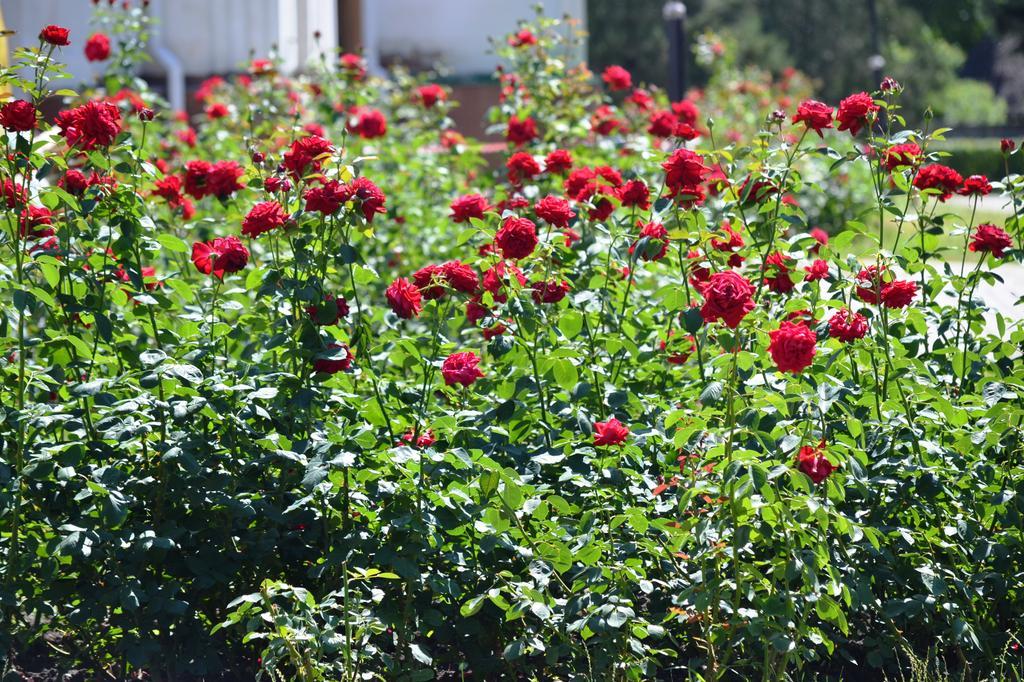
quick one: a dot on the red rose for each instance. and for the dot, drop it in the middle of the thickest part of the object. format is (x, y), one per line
(219, 256)
(820, 236)
(18, 116)
(223, 179)
(368, 123)
(306, 155)
(498, 276)
(460, 276)
(812, 462)
(686, 111)
(513, 203)
(558, 162)
(371, 200)
(521, 131)
(187, 136)
(975, 185)
(168, 188)
(684, 171)
(898, 293)
(617, 78)
(699, 273)
(333, 310)
(424, 440)
(337, 358)
(779, 280)
(461, 368)
(96, 179)
(197, 174)
(517, 238)
(937, 176)
(73, 182)
(579, 185)
(521, 166)
(554, 210)
(899, 155)
(662, 124)
(990, 239)
(1006, 145)
(33, 218)
(792, 347)
(353, 65)
(55, 35)
(277, 184)
(734, 242)
(430, 94)
(404, 298)
(890, 84)
(94, 124)
(635, 194)
(603, 208)
(260, 67)
(97, 47)
(522, 38)
(216, 110)
(869, 283)
(432, 279)
(657, 244)
(686, 131)
(549, 292)
(327, 198)
(847, 326)
(816, 270)
(642, 99)
(263, 217)
(854, 111)
(207, 88)
(814, 114)
(611, 432)
(604, 121)
(429, 281)
(475, 311)
(469, 206)
(13, 194)
(728, 296)
(219, 179)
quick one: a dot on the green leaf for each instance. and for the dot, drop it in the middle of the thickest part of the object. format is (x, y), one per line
(173, 244)
(571, 323)
(566, 374)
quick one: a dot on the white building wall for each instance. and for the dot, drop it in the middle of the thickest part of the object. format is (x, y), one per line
(27, 17)
(457, 31)
(207, 36)
(217, 36)
(220, 36)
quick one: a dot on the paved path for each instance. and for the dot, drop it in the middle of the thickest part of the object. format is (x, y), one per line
(1003, 297)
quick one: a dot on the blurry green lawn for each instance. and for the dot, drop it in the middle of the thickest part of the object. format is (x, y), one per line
(955, 214)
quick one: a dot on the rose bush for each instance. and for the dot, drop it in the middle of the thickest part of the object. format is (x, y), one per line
(302, 387)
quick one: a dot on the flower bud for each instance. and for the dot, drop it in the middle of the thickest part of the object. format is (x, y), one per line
(890, 84)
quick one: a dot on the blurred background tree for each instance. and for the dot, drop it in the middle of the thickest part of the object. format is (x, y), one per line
(953, 55)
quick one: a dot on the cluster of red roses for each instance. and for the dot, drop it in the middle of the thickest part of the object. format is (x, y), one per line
(728, 296)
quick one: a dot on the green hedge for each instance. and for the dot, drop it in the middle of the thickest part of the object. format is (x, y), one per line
(979, 155)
